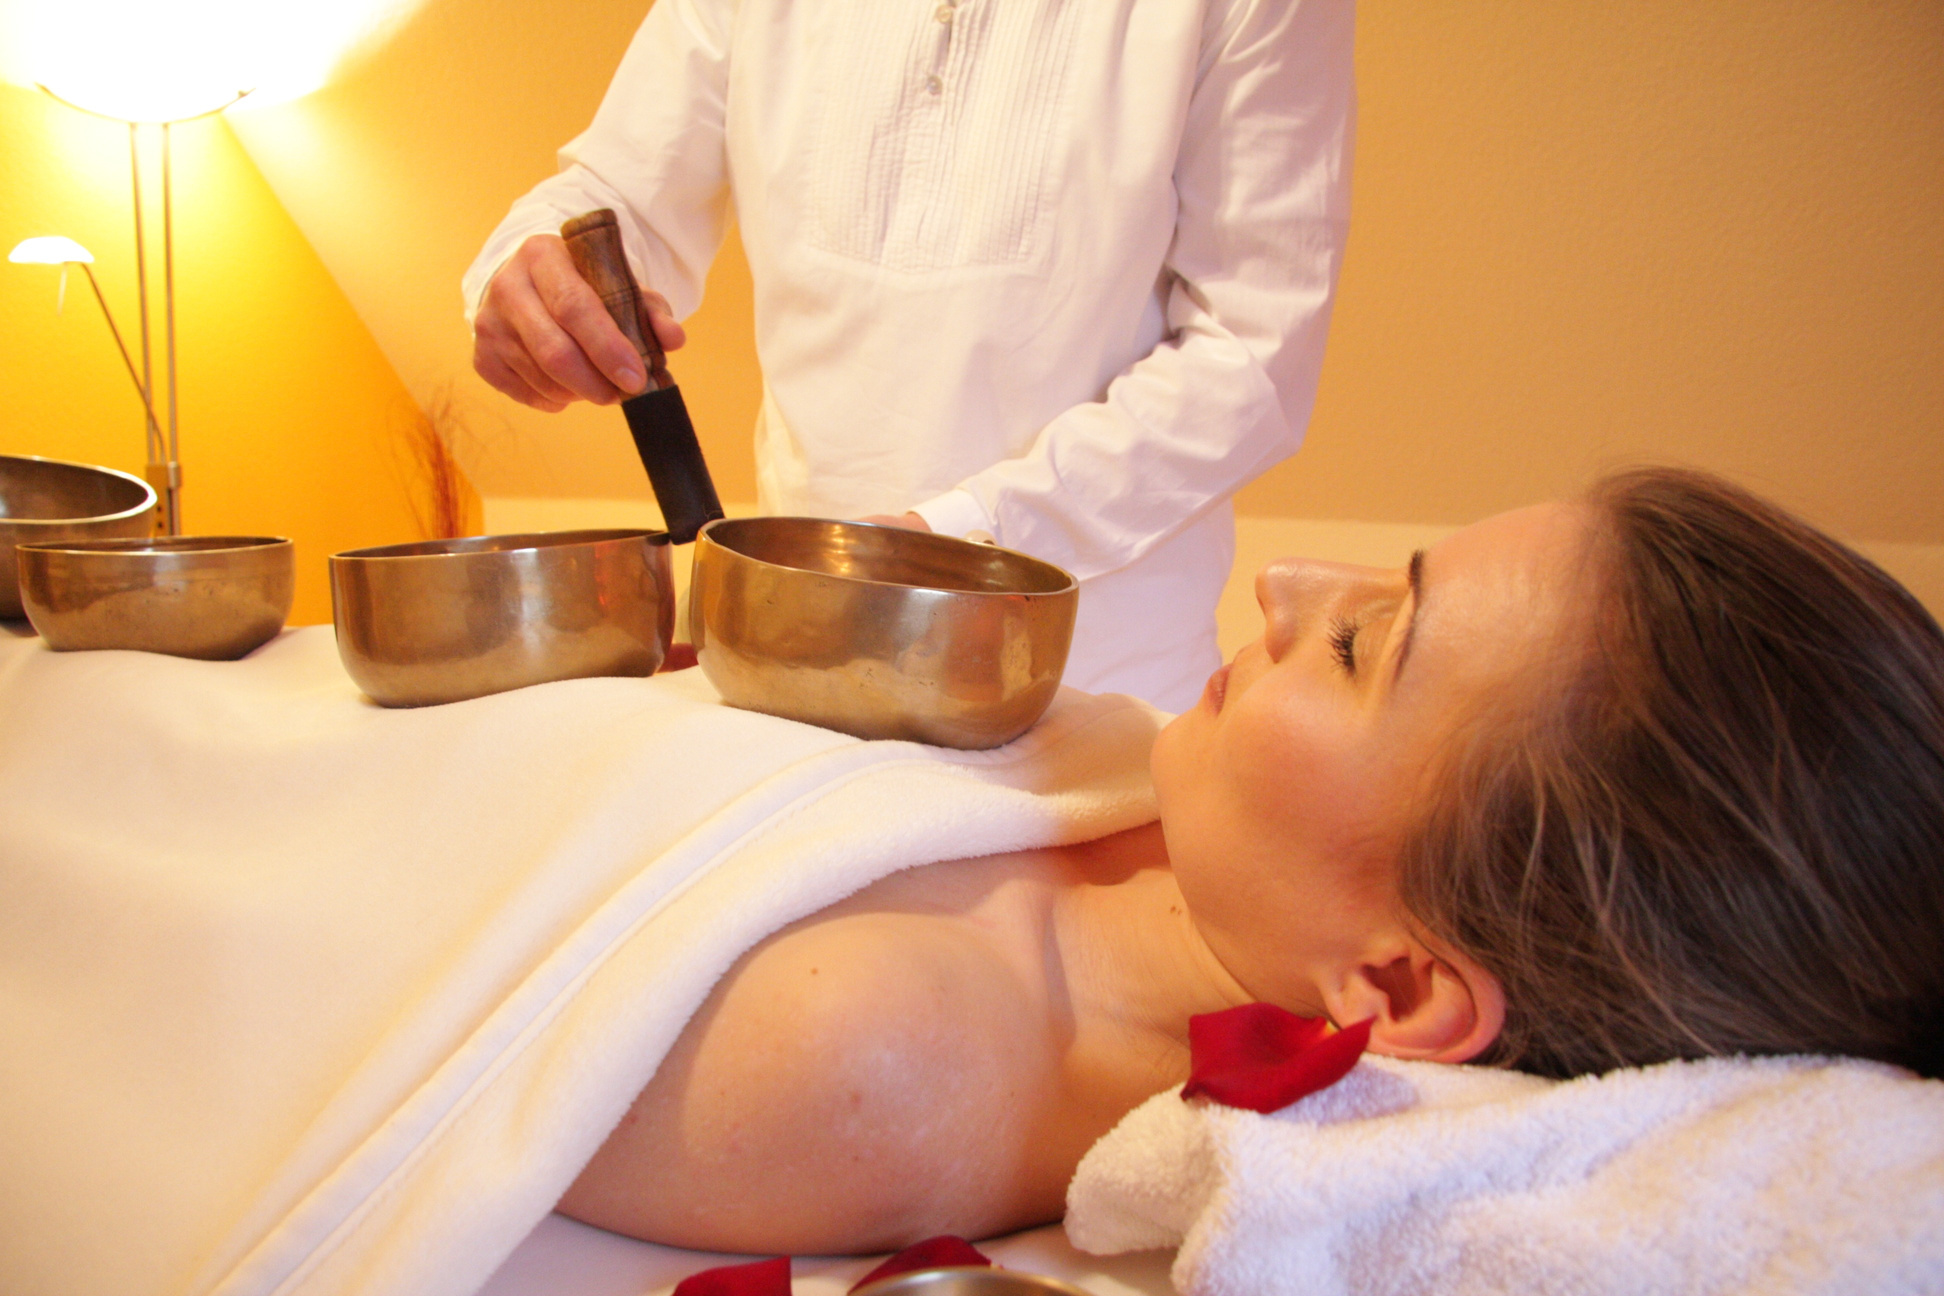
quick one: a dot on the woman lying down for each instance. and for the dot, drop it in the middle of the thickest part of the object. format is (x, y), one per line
(1653, 773)
(301, 995)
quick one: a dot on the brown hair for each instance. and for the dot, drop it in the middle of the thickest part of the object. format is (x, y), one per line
(1727, 835)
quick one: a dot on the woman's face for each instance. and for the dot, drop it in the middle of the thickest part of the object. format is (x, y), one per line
(1286, 792)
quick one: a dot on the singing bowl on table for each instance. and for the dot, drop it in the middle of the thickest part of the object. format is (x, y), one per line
(209, 597)
(446, 620)
(47, 500)
(878, 631)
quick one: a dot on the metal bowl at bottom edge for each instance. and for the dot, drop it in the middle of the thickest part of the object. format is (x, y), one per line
(968, 1282)
(44, 501)
(210, 597)
(448, 620)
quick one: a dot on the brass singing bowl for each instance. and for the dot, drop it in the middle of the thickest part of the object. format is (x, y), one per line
(961, 1281)
(445, 620)
(47, 500)
(878, 631)
(210, 597)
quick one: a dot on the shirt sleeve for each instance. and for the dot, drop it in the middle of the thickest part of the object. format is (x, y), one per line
(655, 153)
(1262, 180)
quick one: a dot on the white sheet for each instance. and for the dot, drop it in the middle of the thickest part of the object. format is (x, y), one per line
(301, 995)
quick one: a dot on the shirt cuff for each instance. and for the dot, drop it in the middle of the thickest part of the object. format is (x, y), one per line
(956, 514)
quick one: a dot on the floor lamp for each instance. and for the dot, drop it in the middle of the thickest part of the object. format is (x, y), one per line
(164, 470)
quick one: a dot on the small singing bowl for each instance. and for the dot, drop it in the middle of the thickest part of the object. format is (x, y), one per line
(210, 597)
(957, 1281)
(45, 501)
(446, 620)
(877, 631)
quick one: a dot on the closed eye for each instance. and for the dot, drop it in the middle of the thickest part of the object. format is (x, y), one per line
(1343, 643)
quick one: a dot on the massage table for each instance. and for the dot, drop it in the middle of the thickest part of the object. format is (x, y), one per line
(303, 997)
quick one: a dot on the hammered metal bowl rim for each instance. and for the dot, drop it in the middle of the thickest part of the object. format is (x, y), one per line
(540, 540)
(148, 501)
(896, 1284)
(161, 546)
(1072, 582)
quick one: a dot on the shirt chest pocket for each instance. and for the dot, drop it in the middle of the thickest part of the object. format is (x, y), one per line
(937, 125)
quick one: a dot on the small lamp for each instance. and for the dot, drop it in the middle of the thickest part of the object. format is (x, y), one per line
(64, 252)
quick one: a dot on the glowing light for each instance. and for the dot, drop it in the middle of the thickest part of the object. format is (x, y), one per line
(49, 249)
(164, 60)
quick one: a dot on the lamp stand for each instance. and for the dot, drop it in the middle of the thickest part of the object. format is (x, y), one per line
(164, 470)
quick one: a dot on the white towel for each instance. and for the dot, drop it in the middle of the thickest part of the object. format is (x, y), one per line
(1771, 1176)
(301, 995)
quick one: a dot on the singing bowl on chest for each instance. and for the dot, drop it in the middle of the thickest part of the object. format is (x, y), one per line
(447, 620)
(48, 501)
(878, 631)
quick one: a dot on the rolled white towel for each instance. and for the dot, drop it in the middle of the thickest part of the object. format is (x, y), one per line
(1776, 1175)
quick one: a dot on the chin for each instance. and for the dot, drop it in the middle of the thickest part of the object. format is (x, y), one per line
(1162, 758)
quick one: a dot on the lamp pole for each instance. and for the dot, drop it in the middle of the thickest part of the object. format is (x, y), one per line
(168, 485)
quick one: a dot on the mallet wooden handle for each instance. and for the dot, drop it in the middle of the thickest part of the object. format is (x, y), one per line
(594, 242)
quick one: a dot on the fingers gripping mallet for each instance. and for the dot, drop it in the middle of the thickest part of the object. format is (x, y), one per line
(663, 434)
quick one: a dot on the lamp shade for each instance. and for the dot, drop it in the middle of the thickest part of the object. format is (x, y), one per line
(49, 249)
(167, 60)
(143, 60)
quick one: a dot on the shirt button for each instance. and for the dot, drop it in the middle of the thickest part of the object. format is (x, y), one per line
(943, 13)
(934, 84)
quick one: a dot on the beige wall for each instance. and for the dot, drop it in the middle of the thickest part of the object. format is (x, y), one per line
(1710, 233)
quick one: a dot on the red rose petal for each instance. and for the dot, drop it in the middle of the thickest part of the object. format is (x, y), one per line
(1262, 1058)
(762, 1278)
(942, 1252)
(680, 656)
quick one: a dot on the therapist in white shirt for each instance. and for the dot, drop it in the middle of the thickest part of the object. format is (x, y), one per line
(1054, 270)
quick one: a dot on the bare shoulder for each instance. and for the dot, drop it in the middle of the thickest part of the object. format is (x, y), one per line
(871, 1075)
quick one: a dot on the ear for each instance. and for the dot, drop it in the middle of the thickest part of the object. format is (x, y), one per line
(1434, 1006)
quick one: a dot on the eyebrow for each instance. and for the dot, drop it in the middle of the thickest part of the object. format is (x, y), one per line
(1414, 572)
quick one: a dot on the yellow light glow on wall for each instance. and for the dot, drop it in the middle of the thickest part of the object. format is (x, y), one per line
(165, 60)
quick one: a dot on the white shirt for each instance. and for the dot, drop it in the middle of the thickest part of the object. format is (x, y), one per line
(1058, 270)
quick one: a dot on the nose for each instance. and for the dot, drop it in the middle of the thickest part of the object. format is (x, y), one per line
(1294, 592)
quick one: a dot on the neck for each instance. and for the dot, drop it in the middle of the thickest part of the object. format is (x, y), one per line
(1128, 946)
